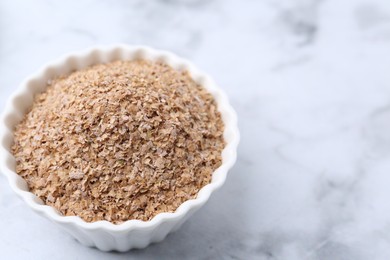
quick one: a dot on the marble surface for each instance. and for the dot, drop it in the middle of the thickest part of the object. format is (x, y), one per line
(310, 81)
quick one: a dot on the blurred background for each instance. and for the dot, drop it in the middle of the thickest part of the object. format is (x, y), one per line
(310, 82)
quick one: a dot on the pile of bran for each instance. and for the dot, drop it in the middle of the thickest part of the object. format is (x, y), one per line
(119, 141)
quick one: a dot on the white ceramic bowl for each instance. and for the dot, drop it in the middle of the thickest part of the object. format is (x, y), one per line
(103, 234)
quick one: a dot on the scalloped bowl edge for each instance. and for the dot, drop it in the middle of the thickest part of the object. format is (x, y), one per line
(104, 235)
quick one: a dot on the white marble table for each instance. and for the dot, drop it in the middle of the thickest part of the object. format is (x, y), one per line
(310, 81)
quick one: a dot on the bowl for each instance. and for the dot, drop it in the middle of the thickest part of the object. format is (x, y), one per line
(105, 235)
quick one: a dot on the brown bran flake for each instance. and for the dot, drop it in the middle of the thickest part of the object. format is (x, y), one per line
(119, 141)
